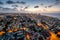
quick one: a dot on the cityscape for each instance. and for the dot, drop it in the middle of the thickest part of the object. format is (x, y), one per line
(25, 26)
(29, 19)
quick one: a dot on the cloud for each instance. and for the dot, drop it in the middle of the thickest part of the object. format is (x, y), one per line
(22, 2)
(41, 4)
(57, 2)
(36, 6)
(46, 7)
(0, 7)
(44, 10)
(17, 2)
(1, 2)
(6, 8)
(10, 2)
(26, 7)
(50, 6)
(14, 5)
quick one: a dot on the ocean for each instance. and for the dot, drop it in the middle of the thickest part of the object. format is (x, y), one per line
(56, 15)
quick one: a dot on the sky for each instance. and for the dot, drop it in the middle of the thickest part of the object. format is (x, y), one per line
(30, 6)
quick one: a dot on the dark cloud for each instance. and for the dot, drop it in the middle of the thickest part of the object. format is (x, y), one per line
(23, 2)
(46, 7)
(41, 4)
(57, 2)
(50, 6)
(17, 2)
(14, 5)
(1, 7)
(1, 2)
(26, 7)
(36, 6)
(14, 8)
(10, 2)
(6, 8)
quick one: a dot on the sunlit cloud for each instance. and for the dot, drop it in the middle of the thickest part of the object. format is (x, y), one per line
(39, 10)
